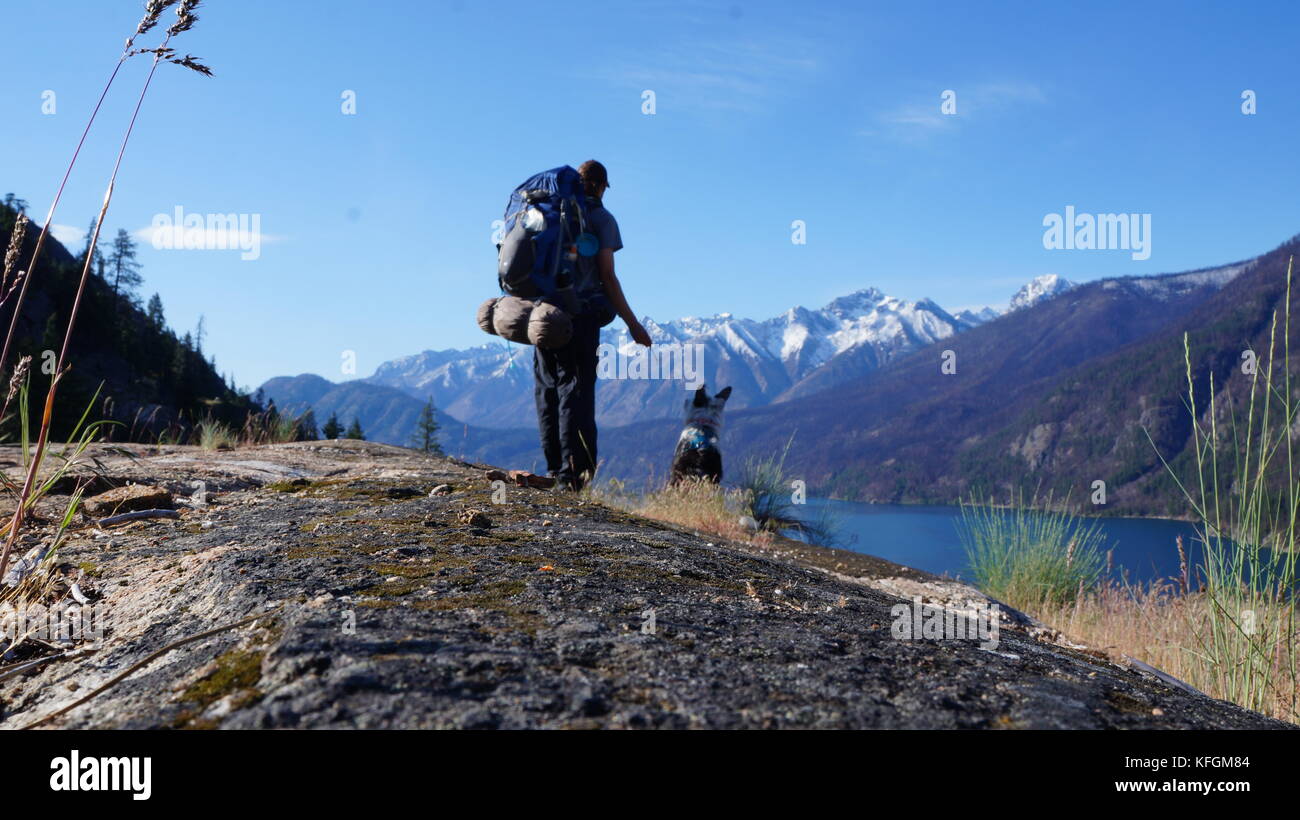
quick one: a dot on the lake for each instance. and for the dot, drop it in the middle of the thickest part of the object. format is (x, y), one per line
(927, 538)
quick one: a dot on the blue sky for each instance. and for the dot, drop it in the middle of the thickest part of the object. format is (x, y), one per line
(377, 225)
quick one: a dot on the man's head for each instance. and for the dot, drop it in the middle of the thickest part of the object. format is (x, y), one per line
(595, 179)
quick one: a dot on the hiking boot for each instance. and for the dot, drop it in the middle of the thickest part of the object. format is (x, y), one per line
(566, 483)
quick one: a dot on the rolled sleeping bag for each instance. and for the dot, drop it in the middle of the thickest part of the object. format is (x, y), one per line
(525, 322)
(548, 326)
(510, 318)
(485, 311)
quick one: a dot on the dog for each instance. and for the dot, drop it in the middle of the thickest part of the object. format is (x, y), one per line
(697, 456)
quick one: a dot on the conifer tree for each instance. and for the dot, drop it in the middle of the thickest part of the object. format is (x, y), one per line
(426, 430)
(122, 264)
(332, 427)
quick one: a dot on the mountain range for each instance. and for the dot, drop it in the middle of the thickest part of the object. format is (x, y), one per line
(765, 361)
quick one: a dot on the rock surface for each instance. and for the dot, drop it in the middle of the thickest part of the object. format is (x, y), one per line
(127, 499)
(397, 609)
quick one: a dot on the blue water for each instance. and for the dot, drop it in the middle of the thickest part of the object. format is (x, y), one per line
(927, 538)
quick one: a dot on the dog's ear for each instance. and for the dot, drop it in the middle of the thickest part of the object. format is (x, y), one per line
(723, 394)
(701, 397)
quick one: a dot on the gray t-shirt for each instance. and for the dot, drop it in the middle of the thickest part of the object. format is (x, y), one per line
(602, 224)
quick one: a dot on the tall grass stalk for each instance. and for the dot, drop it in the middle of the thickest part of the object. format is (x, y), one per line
(185, 19)
(1246, 504)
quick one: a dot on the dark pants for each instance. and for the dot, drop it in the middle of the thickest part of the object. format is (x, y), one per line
(564, 386)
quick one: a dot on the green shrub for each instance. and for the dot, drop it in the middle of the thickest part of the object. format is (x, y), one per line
(1029, 557)
(213, 435)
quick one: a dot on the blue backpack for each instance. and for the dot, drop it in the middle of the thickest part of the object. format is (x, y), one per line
(545, 231)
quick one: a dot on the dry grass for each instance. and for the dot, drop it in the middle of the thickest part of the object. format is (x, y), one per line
(213, 435)
(1161, 627)
(270, 427)
(699, 505)
(267, 427)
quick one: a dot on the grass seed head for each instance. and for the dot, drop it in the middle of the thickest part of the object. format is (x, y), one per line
(153, 9)
(19, 375)
(185, 17)
(15, 247)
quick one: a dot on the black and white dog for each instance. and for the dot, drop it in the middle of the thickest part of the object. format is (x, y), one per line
(697, 455)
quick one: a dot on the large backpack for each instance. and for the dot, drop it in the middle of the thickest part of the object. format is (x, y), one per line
(545, 230)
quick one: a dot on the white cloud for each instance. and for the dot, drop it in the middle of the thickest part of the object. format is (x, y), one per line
(915, 121)
(718, 75)
(738, 66)
(925, 118)
(69, 236)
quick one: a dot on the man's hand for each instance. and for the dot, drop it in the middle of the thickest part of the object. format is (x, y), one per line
(639, 334)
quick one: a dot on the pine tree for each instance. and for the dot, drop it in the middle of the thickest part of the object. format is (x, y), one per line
(426, 430)
(155, 311)
(121, 261)
(332, 428)
(354, 430)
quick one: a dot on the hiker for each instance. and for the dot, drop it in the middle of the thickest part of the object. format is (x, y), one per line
(565, 377)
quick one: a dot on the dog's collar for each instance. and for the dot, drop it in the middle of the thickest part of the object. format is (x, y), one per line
(697, 437)
(703, 422)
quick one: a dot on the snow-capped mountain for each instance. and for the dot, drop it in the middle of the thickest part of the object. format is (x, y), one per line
(974, 316)
(491, 385)
(802, 340)
(1038, 289)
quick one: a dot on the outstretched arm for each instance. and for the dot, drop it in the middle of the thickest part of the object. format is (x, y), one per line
(614, 290)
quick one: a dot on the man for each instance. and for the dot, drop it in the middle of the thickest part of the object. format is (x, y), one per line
(565, 377)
